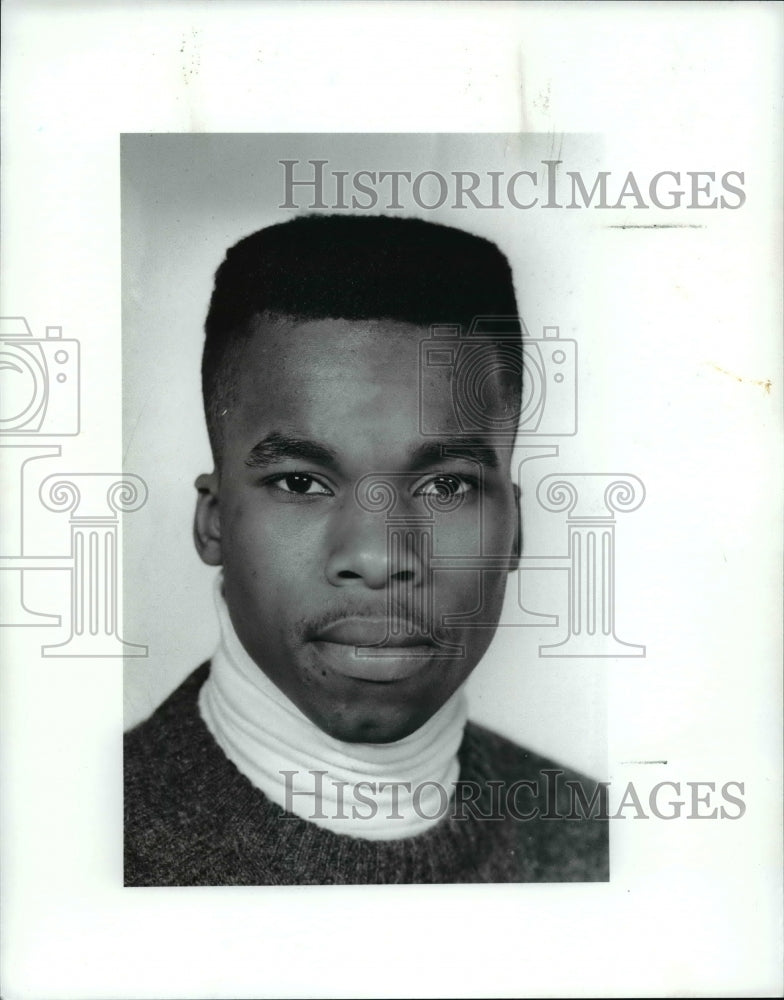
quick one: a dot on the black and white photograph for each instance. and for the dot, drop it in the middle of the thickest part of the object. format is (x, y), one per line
(396, 398)
(390, 454)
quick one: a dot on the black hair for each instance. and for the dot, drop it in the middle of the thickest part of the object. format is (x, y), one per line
(351, 267)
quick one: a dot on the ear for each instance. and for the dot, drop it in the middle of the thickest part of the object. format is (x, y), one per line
(206, 523)
(517, 544)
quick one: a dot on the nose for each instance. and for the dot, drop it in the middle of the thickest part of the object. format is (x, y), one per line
(367, 550)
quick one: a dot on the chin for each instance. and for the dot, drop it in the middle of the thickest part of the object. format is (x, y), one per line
(373, 729)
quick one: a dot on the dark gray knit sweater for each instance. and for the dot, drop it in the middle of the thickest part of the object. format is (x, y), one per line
(191, 818)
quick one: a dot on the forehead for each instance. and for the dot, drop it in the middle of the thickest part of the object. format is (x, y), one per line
(359, 386)
(322, 371)
(293, 353)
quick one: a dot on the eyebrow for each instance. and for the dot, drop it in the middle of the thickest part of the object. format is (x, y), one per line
(473, 449)
(277, 447)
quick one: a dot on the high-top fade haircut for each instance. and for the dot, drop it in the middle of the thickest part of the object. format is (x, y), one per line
(353, 267)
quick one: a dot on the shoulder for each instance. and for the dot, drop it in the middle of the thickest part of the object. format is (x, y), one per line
(560, 814)
(171, 739)
(176, 782)
(509, 761)
(174, 714)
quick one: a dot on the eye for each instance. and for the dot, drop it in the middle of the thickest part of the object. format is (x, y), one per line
(444, 487)
(301, 484)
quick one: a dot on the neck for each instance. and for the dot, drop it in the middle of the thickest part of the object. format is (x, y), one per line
(380, 791)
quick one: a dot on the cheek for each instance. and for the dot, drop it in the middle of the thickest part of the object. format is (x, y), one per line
(249, 546)
(474, 589)
(271, 553)
(486, 527)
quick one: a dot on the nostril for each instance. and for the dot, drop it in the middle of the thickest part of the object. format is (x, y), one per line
(404, 575)
(347, 574)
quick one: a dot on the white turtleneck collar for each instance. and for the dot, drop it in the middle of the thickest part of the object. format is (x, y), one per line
(314, 776)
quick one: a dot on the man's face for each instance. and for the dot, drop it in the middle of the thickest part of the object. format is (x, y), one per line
(332, 515)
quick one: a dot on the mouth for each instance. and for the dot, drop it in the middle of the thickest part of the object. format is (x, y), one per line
(381, 650)
(396, 633)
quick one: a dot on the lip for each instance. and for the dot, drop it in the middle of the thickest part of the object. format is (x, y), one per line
(385, 667)
(398, 654)
(387, 633)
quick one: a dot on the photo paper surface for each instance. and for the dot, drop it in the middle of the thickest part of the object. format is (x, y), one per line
(632, 182)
